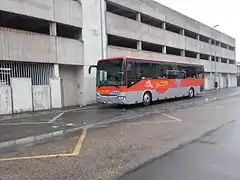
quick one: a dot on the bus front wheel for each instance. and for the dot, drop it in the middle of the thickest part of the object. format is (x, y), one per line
(191, 93)
(147, 98)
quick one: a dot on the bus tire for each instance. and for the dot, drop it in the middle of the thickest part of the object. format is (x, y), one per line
(147, 98)
(191, 93)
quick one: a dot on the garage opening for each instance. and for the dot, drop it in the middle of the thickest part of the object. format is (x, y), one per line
(190, 54)
(204, 56)
(121, 11)
(173, 51)
(25, 23)
(122, 42)
(151, 47)
(151, 21)
(204, 39)
(69, 31)
(190, 34)
(173, 28)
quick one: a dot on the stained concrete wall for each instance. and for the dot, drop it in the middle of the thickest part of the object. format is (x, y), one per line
(21, 94)
(41, 97)
(34, 47)
(69, 85)
(5, 100)
(56, 93)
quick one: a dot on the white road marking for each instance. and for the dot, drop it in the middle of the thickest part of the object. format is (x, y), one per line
(172, 117)
(56, 117)
(214, 105)
(23, 123)
(151, 122)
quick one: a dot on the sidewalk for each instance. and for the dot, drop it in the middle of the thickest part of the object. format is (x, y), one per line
(38, 126)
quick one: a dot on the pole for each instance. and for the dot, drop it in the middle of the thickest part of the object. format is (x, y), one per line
(215, 58)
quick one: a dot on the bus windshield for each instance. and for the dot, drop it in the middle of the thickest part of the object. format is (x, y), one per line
(111, 73)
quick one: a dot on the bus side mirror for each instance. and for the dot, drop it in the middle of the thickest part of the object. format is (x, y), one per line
(90, 68)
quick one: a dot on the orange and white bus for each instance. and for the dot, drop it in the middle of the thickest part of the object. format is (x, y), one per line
(129, 80)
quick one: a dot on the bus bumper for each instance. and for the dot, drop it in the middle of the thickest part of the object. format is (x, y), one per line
(111, 99)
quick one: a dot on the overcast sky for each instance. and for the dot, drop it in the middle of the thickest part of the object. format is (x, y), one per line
(211, 12)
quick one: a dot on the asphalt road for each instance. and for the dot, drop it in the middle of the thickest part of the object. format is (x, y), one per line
(213, 157)
(122, 140)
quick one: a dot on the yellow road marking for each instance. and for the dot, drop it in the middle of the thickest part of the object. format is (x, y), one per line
(80, 142)
(76, 151)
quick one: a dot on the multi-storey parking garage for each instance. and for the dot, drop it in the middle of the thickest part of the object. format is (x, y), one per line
(46, 47)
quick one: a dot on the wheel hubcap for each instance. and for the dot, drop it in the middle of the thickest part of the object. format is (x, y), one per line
(146, 99)
(191, 93)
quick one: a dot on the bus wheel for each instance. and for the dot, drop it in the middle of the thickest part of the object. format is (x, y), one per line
(147, 98)
(191, 93)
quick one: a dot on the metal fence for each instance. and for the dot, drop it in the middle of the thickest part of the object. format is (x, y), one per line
(39, 73)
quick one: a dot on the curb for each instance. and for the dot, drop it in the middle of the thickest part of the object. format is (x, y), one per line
(36, 139)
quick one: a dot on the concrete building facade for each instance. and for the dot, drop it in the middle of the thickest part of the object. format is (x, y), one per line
(46, 47)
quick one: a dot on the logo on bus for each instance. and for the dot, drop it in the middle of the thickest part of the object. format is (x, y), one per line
(161, 84)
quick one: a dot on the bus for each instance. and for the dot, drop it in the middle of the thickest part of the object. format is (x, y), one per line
(129, 80)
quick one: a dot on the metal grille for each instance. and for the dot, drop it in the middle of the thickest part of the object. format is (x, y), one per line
(39, 73)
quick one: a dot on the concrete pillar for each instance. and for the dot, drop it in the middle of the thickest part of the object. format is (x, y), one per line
(164, 49)
(228, 47)
(138, 18)
(210, 41)
(209, 58)
(228, 61)
(198, 37)
(139, 45)
(56, 71)
(164, 25)
(182, 32)
(219, 59)
(182, 52)
(53, 28)
(198, 56)
(95, 47)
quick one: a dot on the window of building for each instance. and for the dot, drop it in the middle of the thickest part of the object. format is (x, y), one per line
(232, 48)
(122, 42)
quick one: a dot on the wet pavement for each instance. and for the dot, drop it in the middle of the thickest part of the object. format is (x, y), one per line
(32, 124)
(213, 157)
(122, 139)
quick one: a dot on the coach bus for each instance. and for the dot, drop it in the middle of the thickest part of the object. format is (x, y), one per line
(129, 80)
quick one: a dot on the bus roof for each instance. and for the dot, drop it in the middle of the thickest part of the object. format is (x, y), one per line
(150, 59)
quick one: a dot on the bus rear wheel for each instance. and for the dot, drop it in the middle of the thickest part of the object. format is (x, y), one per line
(147, 98)
(191, 93)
